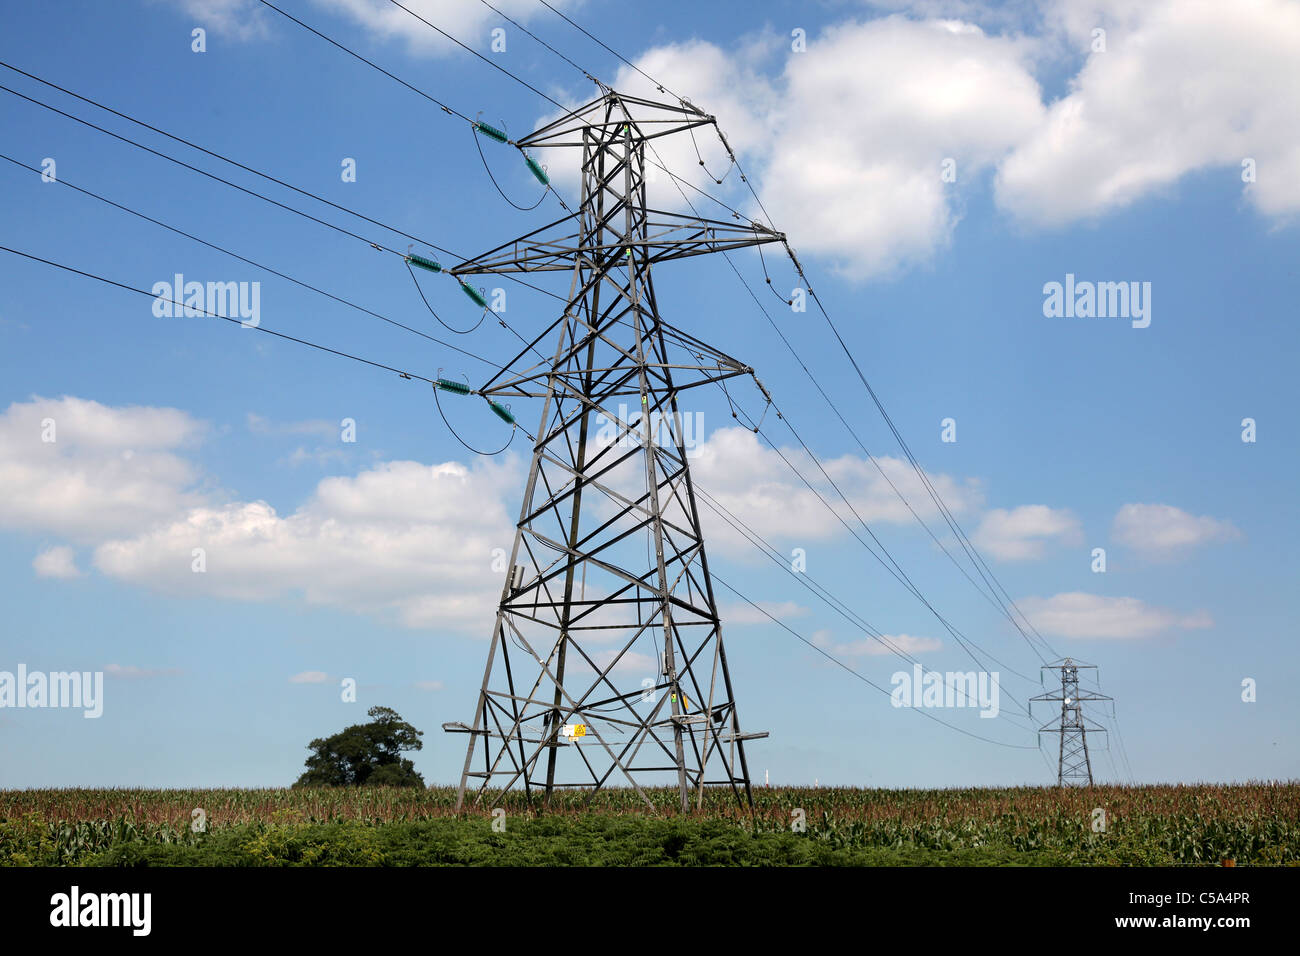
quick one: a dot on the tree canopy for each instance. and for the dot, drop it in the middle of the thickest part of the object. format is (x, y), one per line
(365, 755)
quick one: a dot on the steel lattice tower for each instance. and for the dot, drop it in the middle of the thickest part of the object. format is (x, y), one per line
(1074, 766)
(607, 663)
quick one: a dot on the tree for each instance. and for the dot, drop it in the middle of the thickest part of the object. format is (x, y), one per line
(366, 755)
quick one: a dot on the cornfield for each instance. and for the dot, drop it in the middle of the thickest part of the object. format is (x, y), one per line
(1185, 824)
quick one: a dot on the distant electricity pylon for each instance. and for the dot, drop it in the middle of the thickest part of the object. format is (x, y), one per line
(607, 660)
(1074, 766)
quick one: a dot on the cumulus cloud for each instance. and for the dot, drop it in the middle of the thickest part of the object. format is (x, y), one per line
(420, 545)
(846, 140)
(82, 470)
(1023, 533)
(405, 539)
(868, 117)
(57, 562)
(1163, 531)
(1183, 85)
(863, 119)
(1080, 615)
(849, 139)
(753, 482)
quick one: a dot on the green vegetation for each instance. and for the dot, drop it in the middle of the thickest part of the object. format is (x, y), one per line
(1250, 824)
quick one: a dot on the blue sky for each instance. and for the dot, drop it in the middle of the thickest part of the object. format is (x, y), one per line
(371, 559)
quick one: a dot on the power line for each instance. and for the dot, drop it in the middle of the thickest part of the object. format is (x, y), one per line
(475, 124)
(992, 599)
(981, 566)
(925, 481)
(896, 570)
(836, 604)
(256, 264)
(275, 202)
(246, 168)
(488, 169)
(620, 56)
(202, 172)
(456, 435)
(526, 85)
(443, 106)
(416, 283)
(491, 63)
(893, 566)
(866, 680)
(677, 182)
(520, 26)
(916, 466)
(218, 315)
(977, 561)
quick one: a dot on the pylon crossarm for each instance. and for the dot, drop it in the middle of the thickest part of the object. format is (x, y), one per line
(679, 239)
(609, 113)
(519, 387)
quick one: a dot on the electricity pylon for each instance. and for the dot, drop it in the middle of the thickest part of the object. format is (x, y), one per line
(1074, 766)
(607, 662)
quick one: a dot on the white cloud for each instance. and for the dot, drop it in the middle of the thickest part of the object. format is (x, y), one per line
(429, 685)
(1023, 533)
(132, 672)
(1163, 531)
(752, 482)
(868, 115)
(108, 470)
(402, 539)
(309, 677)
(240, 19)
(848, 140)
(58, 562)
(1182, 86)
(405, 541)
(1080, 615)
(876, 647)
(469, 22)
